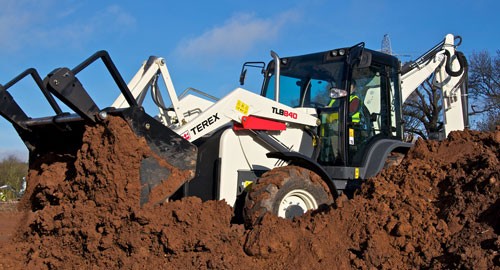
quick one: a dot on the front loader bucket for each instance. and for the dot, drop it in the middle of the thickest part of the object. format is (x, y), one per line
(168, 162)
(167, 146)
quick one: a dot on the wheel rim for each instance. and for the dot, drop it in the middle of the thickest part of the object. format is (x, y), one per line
(296, 203)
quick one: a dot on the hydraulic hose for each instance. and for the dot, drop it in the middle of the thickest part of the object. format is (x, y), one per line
(463, 83)
(461, 60)
(465, 91)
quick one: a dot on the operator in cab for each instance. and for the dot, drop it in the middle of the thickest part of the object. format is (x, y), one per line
(329, 128)
(354, 105)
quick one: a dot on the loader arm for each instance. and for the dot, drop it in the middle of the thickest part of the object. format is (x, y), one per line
(147, 77)
(238, 105)
(233, 108)
(450, 69)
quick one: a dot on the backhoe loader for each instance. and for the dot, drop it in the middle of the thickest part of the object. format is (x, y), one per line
(292, 148)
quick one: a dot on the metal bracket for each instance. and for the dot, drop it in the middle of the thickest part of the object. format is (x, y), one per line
(65, 86)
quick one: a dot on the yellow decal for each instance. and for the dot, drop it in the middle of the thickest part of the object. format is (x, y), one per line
(351, 136)
(242, 107)
(247, 184)
(356, 173)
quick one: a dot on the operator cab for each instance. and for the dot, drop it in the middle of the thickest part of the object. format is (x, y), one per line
(325, 81)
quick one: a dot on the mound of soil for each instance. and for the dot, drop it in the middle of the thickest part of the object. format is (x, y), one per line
(439, 209)
(9, 218)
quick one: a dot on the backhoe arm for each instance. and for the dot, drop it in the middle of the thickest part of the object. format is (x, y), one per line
(449, 68)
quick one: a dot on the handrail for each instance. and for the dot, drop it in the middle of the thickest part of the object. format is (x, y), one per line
(183, 94)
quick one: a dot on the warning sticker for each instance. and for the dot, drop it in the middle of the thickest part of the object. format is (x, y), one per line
(351, 136)
(242, 107)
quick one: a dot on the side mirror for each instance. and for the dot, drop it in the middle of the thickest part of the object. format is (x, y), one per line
(242, 76)
(243, 73)
(337, 93)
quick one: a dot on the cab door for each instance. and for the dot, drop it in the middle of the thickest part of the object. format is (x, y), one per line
(372, 121)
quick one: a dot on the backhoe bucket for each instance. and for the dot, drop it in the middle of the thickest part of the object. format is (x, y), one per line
(168, 160)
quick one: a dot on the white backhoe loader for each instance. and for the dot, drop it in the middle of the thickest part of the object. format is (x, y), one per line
(322, 123)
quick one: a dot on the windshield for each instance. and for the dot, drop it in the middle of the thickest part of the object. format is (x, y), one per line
(306, 81)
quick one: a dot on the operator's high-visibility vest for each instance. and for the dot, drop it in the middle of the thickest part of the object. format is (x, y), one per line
(355, 118)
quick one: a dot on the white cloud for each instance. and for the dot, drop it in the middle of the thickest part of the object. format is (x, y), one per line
(24, 24)
(18, 153)
(235, 37)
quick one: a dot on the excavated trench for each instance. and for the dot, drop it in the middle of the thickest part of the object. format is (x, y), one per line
(439, 209)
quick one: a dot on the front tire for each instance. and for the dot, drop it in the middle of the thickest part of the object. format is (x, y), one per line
(287, 192)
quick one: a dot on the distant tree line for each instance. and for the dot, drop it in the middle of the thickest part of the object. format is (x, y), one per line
(423, 110)
(12, 172)
(484, 89)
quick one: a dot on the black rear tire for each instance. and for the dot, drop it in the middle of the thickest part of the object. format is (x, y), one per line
(287, 192)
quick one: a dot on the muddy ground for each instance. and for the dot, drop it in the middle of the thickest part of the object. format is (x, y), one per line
(439, 209)
(9, 218)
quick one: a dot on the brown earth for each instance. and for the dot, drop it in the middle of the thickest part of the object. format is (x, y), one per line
(9, 218)
(439, 209)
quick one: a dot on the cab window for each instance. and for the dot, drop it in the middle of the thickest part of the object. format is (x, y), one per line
(374, 115)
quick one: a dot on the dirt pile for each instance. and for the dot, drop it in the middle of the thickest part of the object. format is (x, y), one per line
(9, 217)
(439, 209)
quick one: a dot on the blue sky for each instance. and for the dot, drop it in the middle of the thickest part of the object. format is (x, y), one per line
(206, 42)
